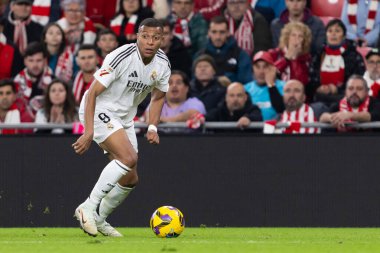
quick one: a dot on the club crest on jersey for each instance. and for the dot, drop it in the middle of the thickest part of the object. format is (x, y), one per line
(109, 126)
(153, 76)
(104, 72)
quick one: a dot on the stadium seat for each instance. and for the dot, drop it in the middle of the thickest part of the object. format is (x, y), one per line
(327, 8)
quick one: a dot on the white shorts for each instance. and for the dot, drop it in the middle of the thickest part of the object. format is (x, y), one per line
(106, 123)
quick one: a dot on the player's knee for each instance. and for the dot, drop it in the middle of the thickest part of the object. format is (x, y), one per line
(129, 160)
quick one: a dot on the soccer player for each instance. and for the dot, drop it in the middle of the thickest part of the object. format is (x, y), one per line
(107, 110)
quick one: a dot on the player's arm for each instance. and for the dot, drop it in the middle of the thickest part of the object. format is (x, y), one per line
(84, 142)
(155, 108)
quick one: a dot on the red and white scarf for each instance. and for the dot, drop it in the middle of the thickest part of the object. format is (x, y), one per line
(24, 82)
(352, 11)
(64, 68)
(19, 37)
(181, 30)
(117, 22)
(332, 67)
(373, 85)
(89, 31)
(305, 114)
(244, 33)
(147, 3)
(79, 87)
(344, 106)
(41, 11)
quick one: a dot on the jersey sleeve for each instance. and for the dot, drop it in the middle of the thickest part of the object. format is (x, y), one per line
(163, 83)
(110, 68)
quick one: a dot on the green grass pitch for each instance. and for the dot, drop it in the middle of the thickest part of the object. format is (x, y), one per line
(194, 240)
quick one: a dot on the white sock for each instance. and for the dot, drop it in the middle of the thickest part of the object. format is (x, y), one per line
(112, 200)
(107, 180)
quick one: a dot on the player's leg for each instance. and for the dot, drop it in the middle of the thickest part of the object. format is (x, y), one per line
(117, 195)
(125, 161)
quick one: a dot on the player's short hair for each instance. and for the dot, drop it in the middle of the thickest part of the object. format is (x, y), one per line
(105, 31)
(8, 82)
(65, 4)
(219, 20)
(35, 48)
(358, 77)
(166, 22)
(183, 75)
(151, 22)
(337, 21)
(86, 47)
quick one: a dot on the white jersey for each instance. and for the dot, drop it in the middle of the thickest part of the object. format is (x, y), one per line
(128, 80)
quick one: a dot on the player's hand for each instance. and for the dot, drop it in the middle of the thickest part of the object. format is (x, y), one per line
(82, 144)
(152, 137)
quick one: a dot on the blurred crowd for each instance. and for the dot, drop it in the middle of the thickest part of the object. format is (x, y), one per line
(242, 61)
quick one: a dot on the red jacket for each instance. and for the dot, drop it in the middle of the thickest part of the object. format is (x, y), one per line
(291, 69)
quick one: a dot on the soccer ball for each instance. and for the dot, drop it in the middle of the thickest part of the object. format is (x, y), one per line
(167, 221)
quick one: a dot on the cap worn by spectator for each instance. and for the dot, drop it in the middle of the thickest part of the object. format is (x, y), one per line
(373, 51)
(22, 1)
(263, 56)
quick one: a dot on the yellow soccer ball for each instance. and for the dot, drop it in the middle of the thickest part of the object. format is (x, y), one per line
(167, 221)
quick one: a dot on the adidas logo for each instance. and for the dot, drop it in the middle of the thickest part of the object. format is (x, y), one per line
(133, 74)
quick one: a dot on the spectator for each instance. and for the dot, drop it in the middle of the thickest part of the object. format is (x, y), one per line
(54, 43)
(297, 11)
(87, 61)
(19, 28)
(178, 55)
(10, 56)
(33, 80)
(296, 110)
(77, 27)
(362, 21)
(178, 107)
(236, 108)
(248, 26)
(356, 106)
(333, 65)
(189, 27)
(59, 107)
(9, 112)
(209, 8)
(127, 20)
(46, 11)
(232, 63)
(372, 75)
(292, 57)
(78, 30)
(205, 86)
(266, 90)
(106, 42)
